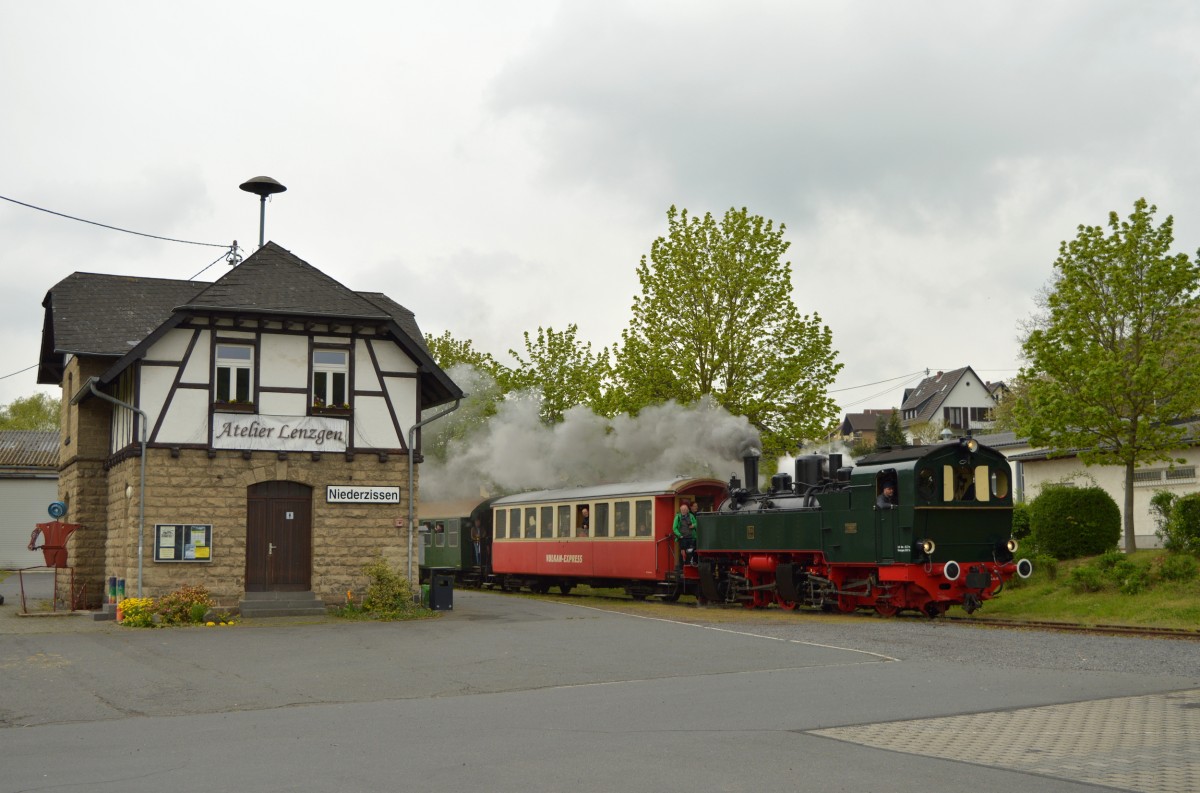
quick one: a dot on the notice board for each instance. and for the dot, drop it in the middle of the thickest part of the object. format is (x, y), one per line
(183, 542)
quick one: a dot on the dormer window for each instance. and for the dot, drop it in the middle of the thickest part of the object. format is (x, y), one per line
(329, 380)
(235, 378)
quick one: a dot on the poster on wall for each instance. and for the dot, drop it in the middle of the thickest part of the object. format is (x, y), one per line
(182, 542)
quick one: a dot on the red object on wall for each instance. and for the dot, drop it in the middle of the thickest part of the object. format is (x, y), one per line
(54, 541)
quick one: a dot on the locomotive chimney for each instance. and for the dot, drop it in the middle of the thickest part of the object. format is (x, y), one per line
(835, 464)
(750, 461)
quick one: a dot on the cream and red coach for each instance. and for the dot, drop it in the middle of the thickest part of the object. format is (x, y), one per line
(539, 539)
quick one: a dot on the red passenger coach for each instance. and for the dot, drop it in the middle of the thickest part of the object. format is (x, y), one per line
(610, 536)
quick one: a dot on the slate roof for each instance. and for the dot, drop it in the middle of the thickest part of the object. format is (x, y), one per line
(95, 314)
(29, 449)
(930, 393)
(862, 422)
(275, 281)
(120, 316)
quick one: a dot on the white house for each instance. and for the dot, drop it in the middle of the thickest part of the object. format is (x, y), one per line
(959, 399)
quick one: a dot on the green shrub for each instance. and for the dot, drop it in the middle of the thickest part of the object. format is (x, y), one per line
(1070, 522)
(184, 605)
(1181, 531)
(388, 596)
(1161, 504)
(1020, 518)
(1178, 567)
(1086, 579)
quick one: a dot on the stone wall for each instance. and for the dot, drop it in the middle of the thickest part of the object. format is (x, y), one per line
(190, 487)
(83, 483)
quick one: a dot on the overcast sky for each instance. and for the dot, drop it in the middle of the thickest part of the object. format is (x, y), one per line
(496, 166)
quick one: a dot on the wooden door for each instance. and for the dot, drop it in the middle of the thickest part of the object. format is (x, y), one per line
(278, 537)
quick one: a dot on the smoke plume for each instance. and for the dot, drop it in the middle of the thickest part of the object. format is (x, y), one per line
(514, 450)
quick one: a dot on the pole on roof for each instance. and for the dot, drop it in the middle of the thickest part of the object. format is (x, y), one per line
(262, 186)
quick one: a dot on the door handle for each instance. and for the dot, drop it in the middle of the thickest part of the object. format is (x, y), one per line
(270, 548)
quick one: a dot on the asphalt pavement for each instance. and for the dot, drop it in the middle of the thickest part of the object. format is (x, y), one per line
(516, 693)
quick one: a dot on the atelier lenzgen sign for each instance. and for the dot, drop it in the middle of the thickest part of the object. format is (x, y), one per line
(279, 433)
(351, 494)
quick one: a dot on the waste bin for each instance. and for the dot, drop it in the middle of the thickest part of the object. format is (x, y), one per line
(441, 591)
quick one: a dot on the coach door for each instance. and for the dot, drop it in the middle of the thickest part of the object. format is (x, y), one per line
(278, 537)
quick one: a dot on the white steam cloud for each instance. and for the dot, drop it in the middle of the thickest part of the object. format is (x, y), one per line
(514, 451)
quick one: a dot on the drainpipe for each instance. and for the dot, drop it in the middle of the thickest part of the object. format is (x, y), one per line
(142, 484)
(412, 433)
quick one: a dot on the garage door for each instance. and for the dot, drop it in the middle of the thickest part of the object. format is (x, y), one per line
(23, 505)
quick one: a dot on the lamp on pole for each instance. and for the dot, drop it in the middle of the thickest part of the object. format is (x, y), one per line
(262, 186)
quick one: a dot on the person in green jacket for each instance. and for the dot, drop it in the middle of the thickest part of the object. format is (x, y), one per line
(684, 529)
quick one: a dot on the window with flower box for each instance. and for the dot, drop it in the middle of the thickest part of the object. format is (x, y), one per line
(330, 376)
(235, 375)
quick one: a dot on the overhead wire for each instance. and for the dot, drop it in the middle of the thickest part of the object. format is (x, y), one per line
(114, 228)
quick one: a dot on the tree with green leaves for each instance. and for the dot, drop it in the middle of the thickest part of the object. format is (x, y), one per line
(37, 412)
(564, 370)
(888, 432)
(1113, 360)
(448, 351)
(716, 316)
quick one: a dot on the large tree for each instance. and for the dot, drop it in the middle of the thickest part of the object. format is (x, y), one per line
(716, 316)
(37, 412)
(564, 370)
(1113, 360)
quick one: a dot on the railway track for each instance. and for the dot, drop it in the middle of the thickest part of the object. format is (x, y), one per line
(1006, 624)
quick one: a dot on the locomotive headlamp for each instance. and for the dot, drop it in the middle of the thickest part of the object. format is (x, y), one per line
(971, 444)
(928, 547)
(1012, 546)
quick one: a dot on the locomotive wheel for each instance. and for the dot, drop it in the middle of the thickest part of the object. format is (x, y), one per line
(786, 604)
(933, 609)
(845, 605)
(886, 608)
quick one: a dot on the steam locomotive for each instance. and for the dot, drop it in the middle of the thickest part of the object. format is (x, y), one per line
(828, 538)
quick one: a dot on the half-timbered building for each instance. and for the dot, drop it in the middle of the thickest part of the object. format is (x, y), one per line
(275, 406)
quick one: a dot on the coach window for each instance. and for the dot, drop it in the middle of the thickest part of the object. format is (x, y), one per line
(514, 523)
(564, 520)
(547, 523)
(600, 520)
(330, 369)
(452, 528)
(501, 524)
(531, 523)
(643, 510)
(235, 368)
(621, 519)
(439, 534)
(426, 532)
